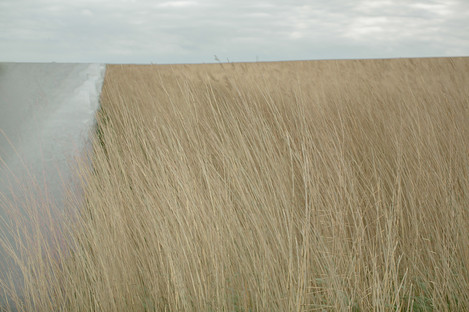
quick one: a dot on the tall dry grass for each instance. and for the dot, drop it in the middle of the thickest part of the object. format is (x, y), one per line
(296, 186)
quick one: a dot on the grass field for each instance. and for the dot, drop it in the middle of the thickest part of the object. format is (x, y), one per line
(289, 186)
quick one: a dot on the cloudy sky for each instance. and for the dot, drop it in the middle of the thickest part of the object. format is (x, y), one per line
(194, 31)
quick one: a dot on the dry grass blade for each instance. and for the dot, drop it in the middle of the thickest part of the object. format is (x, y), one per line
(295, 186)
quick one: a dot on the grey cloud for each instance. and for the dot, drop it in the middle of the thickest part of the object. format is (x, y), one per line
(194, 30)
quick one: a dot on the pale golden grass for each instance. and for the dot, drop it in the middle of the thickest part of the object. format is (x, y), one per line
(290, 186)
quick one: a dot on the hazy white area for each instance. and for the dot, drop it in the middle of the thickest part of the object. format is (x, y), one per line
(47, 113)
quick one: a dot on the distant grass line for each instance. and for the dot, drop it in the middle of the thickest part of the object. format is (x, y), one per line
(289, 186)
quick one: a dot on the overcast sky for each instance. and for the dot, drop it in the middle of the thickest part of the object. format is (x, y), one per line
(193, 31)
